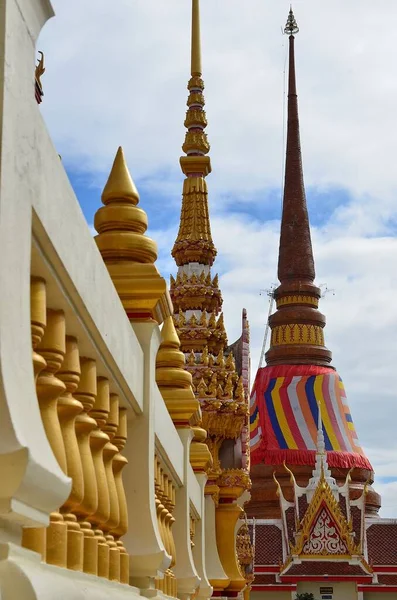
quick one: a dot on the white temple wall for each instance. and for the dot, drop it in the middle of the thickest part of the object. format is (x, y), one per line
(342, 590)
(272, 595)
(43, 233)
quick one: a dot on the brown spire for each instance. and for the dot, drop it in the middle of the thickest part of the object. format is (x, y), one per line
(296, 255)
(297, 325)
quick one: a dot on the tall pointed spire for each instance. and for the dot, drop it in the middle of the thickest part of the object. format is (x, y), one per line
(297, 325)
(194, 241)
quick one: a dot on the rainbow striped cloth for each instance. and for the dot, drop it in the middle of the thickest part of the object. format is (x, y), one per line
(284, 417)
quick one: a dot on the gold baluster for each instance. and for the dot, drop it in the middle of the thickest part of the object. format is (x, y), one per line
(68, 409)
(109, 453)
(86, 393)
(49, 388)
(160, 583)
(98, 441)
(38, 320)
(119, 462)
(34, 538)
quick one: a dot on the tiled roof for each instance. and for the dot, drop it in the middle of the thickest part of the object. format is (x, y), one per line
(290, 519)
(302, 506)
(382, 544)
(387, 580)
(326, 567)
(356, 518)
(262, 579)
(268, 545)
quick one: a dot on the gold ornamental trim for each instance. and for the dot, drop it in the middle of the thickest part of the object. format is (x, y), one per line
(297, 333)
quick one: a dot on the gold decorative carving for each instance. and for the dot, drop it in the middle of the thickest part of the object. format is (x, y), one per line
(196, 141)
(297, 299)
(196, 117)
(195, 98)
(297, 333)
(233, 481)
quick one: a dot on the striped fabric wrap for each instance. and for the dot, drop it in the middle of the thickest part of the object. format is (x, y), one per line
(284, 416)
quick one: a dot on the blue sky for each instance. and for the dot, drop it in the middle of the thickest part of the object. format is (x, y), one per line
(120, 79)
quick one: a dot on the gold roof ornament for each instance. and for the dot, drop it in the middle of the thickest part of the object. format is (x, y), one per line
(174, 382)
(38, 73)
(128, 253)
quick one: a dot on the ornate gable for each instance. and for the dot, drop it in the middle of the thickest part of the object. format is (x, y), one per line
(324, 537)
(324, 530)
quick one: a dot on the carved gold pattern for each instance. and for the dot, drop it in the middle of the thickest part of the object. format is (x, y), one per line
(324, 517)
(196, 141)
(194, 240)
(297, 299)
(297, 333)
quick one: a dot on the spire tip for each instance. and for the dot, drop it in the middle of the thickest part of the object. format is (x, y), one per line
(291, 27)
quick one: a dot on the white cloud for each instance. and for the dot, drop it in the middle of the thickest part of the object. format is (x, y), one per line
(116, 74)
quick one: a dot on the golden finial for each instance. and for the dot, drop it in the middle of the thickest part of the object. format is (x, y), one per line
(119, 185)
(215, 281)
(196, 40)
(128, 253)
(174, 381)
(120, 223)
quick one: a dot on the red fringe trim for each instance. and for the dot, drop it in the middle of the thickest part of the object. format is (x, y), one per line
(341, 460)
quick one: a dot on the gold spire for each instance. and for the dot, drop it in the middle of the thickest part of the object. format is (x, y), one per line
(194, 241)
(128, 253)
(196, 39)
